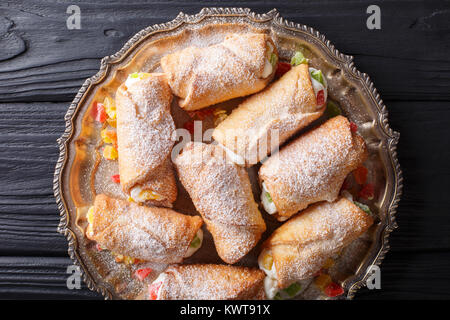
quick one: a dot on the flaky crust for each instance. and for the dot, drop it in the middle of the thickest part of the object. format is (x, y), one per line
(221, 192)
(212, 282)
(301, 246)
(283, 108)
(147, 233)
(144, 130)
(205, 76)
(313, 167)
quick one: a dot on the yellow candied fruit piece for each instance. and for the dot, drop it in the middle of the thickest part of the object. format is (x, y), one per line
(108, 136)
(112, 122)
(110, 153)
(219, 111)
(150, 195)
(219, 116)
(130, 199)
(118, 257)
(322, 281)
(128, 260)
(267, 261)
(110, 107)
(328, 264)
(90, 215)
(108, 102)
(112, 113)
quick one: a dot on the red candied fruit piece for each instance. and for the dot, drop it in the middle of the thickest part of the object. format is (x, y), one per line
(141, 274)
(333, 290)
(353, 127)
(320, 98)
(116, 178)
(99, 112)
(367, 192)
(282, 68)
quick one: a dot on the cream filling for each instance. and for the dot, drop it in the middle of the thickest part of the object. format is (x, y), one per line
(269, 206)
(268, 67)
(272, 273)
(190, 251)
(130, 81)
(140, 195)
(347, 195)
(137, 195)
(161, 278)
(317, 86)
(270, 287)
(270, 281)
(233, 156)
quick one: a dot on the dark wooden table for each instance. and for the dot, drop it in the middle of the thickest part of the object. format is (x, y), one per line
(43, 64)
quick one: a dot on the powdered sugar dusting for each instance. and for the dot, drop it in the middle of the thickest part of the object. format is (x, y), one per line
(313, 167)
(150, 234)
(212, 282)
(267, 119)
(221, 192)
(301, 246)
(205, 76)
(144, 128)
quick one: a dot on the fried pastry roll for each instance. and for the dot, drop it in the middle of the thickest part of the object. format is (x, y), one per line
(311, 168)
(146, 233)
(299, 248)
(267, 119)
(240, 65)
(144, 129)
(208, 282)
(221, 192)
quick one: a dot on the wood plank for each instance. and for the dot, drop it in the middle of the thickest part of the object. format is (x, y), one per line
(38, 278)
(412, 275)
(44, 61)
(403, 276)
(28, 213)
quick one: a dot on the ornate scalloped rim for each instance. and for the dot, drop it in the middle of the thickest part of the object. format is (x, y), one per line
(391, 136)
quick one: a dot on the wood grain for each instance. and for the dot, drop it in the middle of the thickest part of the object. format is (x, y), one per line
(43, 64)
(52, 65)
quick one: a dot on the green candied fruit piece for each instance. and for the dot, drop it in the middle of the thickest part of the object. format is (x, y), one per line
(269, 198)
(278, 297)
(363, 207)
(293, 289)
(317, 74)
(333, 109)
(273, 59)
(298, 58)
(196, 242)
(134, 75)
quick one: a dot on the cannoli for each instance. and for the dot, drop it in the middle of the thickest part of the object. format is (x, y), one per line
(145, 233)
(240, 65)
(299, 248)
(267, 119)
(221, 192)
(311, 168)
(208, 282)
(144, 129)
